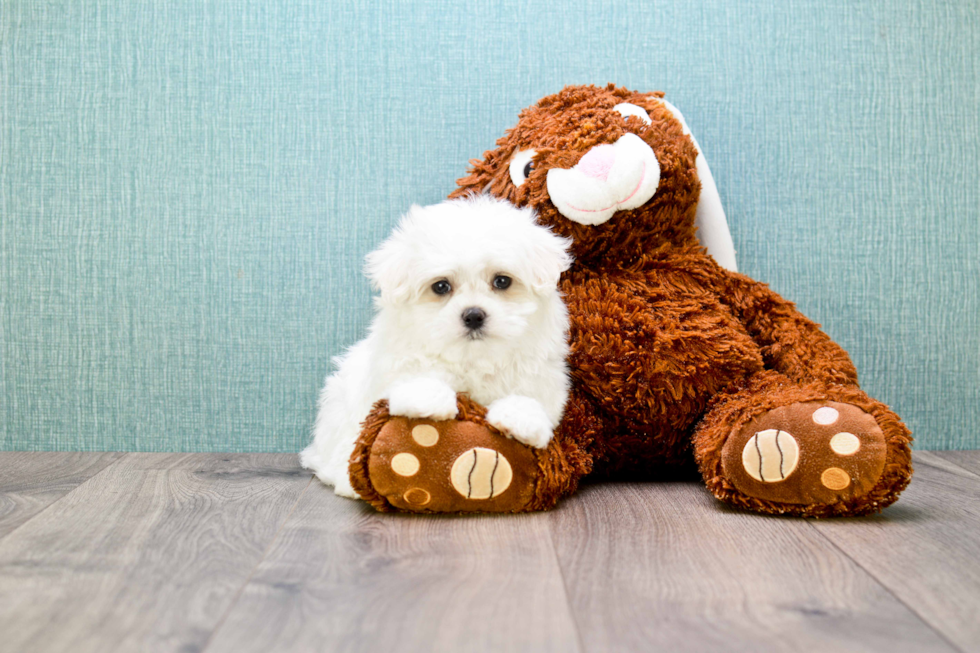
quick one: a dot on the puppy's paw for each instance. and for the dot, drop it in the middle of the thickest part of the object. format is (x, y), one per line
(523, 419)
(422, 397)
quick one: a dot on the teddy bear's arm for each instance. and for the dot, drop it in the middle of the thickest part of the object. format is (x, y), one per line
(636, 348)
(791, 343)
(609, 337)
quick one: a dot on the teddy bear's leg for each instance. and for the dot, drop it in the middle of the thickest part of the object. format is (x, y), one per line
(779, 447)
(463, 464)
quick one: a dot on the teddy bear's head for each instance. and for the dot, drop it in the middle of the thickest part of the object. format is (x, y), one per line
(610, 168)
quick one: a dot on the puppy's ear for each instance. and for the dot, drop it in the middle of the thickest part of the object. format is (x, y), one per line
(390, 266)
(546, 257)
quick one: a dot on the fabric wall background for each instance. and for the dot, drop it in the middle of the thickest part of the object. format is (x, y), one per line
(187, 189)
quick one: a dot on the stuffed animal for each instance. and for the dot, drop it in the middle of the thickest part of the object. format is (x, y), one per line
(674, 356)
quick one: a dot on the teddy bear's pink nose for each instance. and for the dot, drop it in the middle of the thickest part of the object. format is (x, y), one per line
(597, 162)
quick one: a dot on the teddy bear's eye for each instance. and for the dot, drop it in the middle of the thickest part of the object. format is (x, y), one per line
(521, 166)
(627, 110)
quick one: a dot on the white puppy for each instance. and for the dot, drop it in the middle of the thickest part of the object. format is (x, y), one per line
(469, 303)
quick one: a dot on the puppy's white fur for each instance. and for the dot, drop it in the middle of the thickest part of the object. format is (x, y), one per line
(419, 353)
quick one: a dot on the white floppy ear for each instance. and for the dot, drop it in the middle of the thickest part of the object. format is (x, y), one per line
(389, 267)
(710, 218)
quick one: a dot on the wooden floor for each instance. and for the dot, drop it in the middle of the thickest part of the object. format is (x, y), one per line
(244, 552)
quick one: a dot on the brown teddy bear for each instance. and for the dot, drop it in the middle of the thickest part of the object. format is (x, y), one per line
(673, 357)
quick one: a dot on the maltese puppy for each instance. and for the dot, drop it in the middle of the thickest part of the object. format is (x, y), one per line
(468, 303)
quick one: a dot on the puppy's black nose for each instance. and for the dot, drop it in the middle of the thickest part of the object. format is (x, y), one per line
(473, 317)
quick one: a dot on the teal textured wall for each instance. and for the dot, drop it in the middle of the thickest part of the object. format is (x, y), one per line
(187, 189)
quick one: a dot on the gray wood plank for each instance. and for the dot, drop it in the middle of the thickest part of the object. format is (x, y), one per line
(143, 558)
(219, 465)
(341, 577)
(30, 481)
(926, 548)
(968, 460)
(664, 566)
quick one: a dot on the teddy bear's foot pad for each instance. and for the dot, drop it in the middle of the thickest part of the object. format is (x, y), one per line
(807, 453)
(451, 466)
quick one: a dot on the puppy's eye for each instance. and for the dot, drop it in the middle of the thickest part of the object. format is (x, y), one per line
(442, 287)
(501, 282)
(627, 110)
(521, 166)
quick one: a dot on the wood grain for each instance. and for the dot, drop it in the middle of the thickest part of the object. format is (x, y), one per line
(926, 548)
(30, 481)
(342, 577)
(664, 566)
(221, 552)
(146, 556)
(968, 460)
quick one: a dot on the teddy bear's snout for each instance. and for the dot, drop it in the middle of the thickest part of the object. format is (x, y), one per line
(608, 178)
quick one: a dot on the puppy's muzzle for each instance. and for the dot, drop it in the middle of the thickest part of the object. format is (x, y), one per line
(474, 317)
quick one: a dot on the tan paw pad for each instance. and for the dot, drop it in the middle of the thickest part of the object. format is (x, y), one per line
(825, 416)
(416, 496)
(425, 435)
(405, 464)
(835, 478)
(770, 456)
(481, 473)
(845, 444)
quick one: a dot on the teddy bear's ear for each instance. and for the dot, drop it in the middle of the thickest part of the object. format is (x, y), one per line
(710, 218)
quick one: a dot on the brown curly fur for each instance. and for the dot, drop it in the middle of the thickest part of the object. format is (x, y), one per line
(670, 353)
